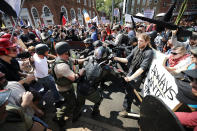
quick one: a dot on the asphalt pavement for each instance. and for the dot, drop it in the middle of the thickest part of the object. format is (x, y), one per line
(108, 120)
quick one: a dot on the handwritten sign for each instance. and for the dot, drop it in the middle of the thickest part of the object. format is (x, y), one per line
(160, 83)
(128, 18)
(149, 13)
(116, 12)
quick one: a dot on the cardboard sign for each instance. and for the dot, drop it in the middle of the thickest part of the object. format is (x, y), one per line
(20, 42)
(128, 18)
(116, 12)
(160, 83)
(149, 13)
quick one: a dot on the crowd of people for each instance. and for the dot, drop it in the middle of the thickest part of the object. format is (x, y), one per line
(34, 61)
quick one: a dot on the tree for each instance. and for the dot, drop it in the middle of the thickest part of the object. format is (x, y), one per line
(105, 6)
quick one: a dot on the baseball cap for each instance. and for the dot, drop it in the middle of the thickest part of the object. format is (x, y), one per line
(182, 80)
(191, 73)
(4, 95)
(24, 27)
(115, 27)
(93, 28)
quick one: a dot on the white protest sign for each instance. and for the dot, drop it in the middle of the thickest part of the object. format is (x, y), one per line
(160, 83)
(128, 18)
(149, 13)
(103, 20)
(107, 21)
(116, 12)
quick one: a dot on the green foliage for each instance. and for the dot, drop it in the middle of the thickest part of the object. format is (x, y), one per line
(105, 6)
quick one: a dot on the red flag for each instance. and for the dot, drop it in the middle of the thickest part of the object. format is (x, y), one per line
(63, 20)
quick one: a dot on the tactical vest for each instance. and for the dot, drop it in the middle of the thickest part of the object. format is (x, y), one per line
(62, 81)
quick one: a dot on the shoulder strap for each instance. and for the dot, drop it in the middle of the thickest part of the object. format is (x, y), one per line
(57, 61)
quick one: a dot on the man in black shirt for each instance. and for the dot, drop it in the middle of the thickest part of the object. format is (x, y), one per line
(8, 64)
(139, 60)
(29, 38)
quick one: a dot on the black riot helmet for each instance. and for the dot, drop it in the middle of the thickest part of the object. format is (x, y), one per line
(101, 53)
(41, 49)
(122, 39)
(88, 41)
(62, 47)
(97, 43)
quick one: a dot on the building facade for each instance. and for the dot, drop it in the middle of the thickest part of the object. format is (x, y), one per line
(46, 12)
(159, 6)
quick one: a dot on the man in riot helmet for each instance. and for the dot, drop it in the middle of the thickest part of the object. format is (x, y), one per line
(89, 47)
(97, 44)
(88, 85)
(64, 78)
(96, 73)
(41, 70)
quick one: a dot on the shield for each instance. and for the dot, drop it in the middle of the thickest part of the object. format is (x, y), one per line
(156, 116)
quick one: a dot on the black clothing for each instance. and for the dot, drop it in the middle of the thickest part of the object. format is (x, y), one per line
(11, 71)
(140, 59)
(27, 37)
(137, 59)
(88, 51)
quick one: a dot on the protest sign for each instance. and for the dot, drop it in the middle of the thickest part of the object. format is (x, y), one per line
(116, 12)
(128, 18)
(160, 83)
(103, 20)
(149, 13)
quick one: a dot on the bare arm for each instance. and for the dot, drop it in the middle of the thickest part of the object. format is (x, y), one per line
(122, 60)
(135, 75)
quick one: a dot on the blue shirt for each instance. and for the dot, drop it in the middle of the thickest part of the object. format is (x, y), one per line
(131, 34)
(94, 36)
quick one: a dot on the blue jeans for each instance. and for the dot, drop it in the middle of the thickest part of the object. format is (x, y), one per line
(49, 84)
(37, 119)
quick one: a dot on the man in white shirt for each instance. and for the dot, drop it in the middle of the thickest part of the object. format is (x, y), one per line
(41, 70)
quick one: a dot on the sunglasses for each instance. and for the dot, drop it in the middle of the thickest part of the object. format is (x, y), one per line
(174, 53)
(12, 49)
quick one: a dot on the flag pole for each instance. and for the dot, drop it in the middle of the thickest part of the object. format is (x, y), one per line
(17, 20)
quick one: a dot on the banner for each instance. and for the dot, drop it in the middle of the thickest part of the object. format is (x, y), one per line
(128, 18)
(86, 16)
(103, 20)
(95, 19)
(149, 13)
(116, 12)
(160, 83)
(10, 7)
(124, 7)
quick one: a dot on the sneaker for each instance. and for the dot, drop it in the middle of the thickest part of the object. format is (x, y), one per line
(123, 113)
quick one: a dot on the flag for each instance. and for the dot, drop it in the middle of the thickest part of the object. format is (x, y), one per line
(74, 21)
(95, 19)
(86, 16)
(181, 12)
(63, 20)
(10, 7)
(28, 23)
(21, 22)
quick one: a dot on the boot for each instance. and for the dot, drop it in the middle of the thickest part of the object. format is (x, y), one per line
(96, 111)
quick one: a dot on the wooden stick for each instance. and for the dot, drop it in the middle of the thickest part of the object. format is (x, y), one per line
(138, 96)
